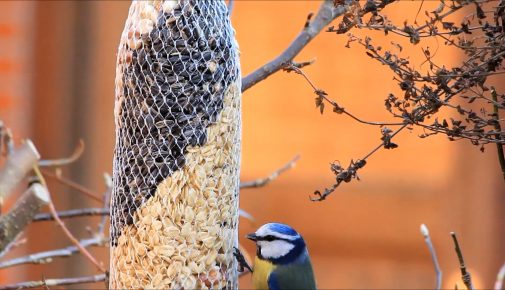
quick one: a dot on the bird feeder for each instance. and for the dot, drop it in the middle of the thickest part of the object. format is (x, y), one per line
(174, 208)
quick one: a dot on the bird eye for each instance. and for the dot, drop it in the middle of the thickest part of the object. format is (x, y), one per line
(269, 238)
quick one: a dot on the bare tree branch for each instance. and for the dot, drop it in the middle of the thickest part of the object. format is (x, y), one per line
(268, 179)
(21, 215)
(17, 165)
(48, 256)
(80, 212)
(326, 14)
(105, 210)
(73, 239)
(351, 172)
(73, 185)
(465, 275)
(56, 282)
(427, 239)
(321, 95)
(67, 232)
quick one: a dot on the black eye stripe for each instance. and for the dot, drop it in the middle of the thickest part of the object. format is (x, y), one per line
(271, 238)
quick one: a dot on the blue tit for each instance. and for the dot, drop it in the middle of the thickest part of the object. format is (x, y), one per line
(282, 260)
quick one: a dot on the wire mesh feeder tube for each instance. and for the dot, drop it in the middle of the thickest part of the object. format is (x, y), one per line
(177, 158)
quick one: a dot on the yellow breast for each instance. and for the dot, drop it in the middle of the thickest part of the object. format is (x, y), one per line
(262, 269)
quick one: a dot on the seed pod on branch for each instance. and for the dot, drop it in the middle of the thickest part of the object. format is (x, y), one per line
(174, 210)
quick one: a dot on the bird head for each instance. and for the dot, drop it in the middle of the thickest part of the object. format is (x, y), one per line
(278, 243)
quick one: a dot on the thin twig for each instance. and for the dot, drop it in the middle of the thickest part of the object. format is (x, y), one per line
(351, 172)
(440, 17)
(326, 14)
(303, 63)
(418, 11)
(264, 181)
(80, 212)
(55, 282)
(498, 285)
(382, 144)
(427, 239)
(73, 185)
(79, 149)
(73, 239)
(473, 136)
(465, 275)
(322, 94)
(48, 256)
(499, 147)
(432, 103)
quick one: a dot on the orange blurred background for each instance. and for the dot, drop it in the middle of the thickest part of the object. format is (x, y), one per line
(57, 66)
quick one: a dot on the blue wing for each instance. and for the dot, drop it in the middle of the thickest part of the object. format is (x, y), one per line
(273, 281)
(295, 276)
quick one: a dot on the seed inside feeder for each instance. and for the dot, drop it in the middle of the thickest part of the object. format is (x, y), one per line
(175, 208)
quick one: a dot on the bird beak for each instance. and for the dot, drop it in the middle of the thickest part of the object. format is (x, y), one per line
(252, 237)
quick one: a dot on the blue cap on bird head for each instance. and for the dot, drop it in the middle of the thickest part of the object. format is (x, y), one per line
(282, 229)
(278, 243)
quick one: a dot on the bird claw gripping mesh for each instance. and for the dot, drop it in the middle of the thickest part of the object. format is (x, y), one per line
(174, 209)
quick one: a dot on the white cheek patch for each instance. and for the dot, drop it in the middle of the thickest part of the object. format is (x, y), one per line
(274, 249)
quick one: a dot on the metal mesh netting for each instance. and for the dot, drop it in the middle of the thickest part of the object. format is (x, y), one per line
(174, 210)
